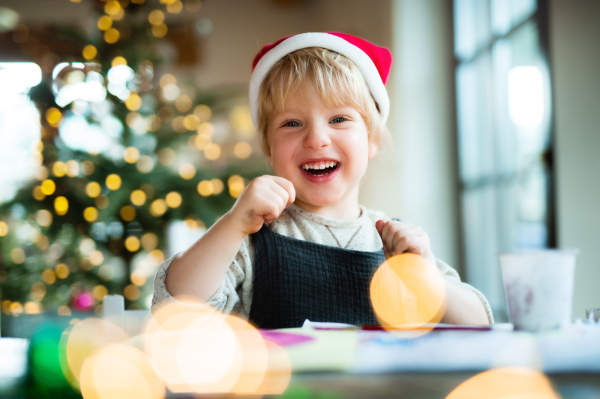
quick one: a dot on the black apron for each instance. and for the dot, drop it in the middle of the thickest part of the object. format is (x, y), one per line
(296, 280)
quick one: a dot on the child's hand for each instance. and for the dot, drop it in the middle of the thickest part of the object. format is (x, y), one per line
(399, 237)
(262, 202)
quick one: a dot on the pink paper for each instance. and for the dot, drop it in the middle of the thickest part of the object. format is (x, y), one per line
(284, 338)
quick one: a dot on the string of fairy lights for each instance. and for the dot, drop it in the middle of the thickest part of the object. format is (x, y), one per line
(153, 109)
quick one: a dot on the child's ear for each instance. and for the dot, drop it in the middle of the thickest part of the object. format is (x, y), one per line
(373, 148)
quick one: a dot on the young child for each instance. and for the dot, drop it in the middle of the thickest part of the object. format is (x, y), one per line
(298, 245)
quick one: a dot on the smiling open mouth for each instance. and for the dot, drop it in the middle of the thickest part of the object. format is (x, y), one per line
(320, 168)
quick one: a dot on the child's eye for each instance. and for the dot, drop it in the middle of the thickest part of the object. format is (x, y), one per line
(338, 119)
(291, 124)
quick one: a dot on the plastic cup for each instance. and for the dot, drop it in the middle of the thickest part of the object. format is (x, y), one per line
(538, 285)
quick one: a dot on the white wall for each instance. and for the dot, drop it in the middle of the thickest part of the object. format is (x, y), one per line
(241, 28)
(575, 62)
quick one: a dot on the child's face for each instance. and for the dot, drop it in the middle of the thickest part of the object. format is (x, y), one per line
(323, 151)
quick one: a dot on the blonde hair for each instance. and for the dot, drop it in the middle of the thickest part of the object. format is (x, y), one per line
(338, 82)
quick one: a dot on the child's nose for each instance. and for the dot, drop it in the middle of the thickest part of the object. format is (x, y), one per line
(316, 137)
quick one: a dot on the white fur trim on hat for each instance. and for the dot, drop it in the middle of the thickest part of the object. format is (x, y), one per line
(328, 41)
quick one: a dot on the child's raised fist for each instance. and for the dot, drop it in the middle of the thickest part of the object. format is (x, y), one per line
(262, 202)
(399, 237)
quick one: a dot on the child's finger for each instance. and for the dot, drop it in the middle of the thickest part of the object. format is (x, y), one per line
(400, 237)
(280, 195)
(288, 187)
(379, 226)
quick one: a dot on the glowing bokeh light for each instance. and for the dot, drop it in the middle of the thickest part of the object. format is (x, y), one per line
(111, 36)
(206, 129)
(113, 182)
(187, 171)
(201, 141)
(89, 52)
(33, 308)
(83, 339)
(38, 291)
(131, 155)
(93, 189)
(99, 292)
(212, 152)
(167, 79)
(43, 217)
(3, 229)
(120, 371)
(102, 202)
(203, 112)
(195, 349)
(159, 31)
(408, 293)
(205, 188)
(48, 276)
(62, 271)
(59, 169)
(37, 193)
(16, 308)
(149, 241)
(191, 122)
(236, 185)
(61, 205)
(112, 7)
(156, 17)
(90, 214)
(138, 278)
(171, 91)
(131, 292)
(218, 186)
(505, 383)
(72, 168)
(138, 197)
(63, 310)
(173, 199)
(87, 167)
(132, 243)
(104, 23)
(118, 60)
(133, 102)
(174, 7)
(178, 124)
(96, 257)
(17, 255)
(145, 164)
(127, 213)
(53, 116)
(242, 150)
(183, 103)
(158, 207)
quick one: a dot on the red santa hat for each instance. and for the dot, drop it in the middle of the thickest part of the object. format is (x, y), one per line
(373, 61)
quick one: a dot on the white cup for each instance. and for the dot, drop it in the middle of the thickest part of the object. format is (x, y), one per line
(538, 285)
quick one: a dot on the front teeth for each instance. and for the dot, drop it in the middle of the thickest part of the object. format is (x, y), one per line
(319, 165)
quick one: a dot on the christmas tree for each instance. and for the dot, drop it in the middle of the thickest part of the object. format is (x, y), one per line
(126, 147)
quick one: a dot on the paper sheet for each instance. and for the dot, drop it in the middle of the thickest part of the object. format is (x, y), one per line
(576, 348)
(329, 350)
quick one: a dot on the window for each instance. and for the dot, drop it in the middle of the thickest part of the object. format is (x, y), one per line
(504, 123)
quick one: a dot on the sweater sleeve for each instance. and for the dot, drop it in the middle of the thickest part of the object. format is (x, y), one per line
(450, 272)
(233, 296)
